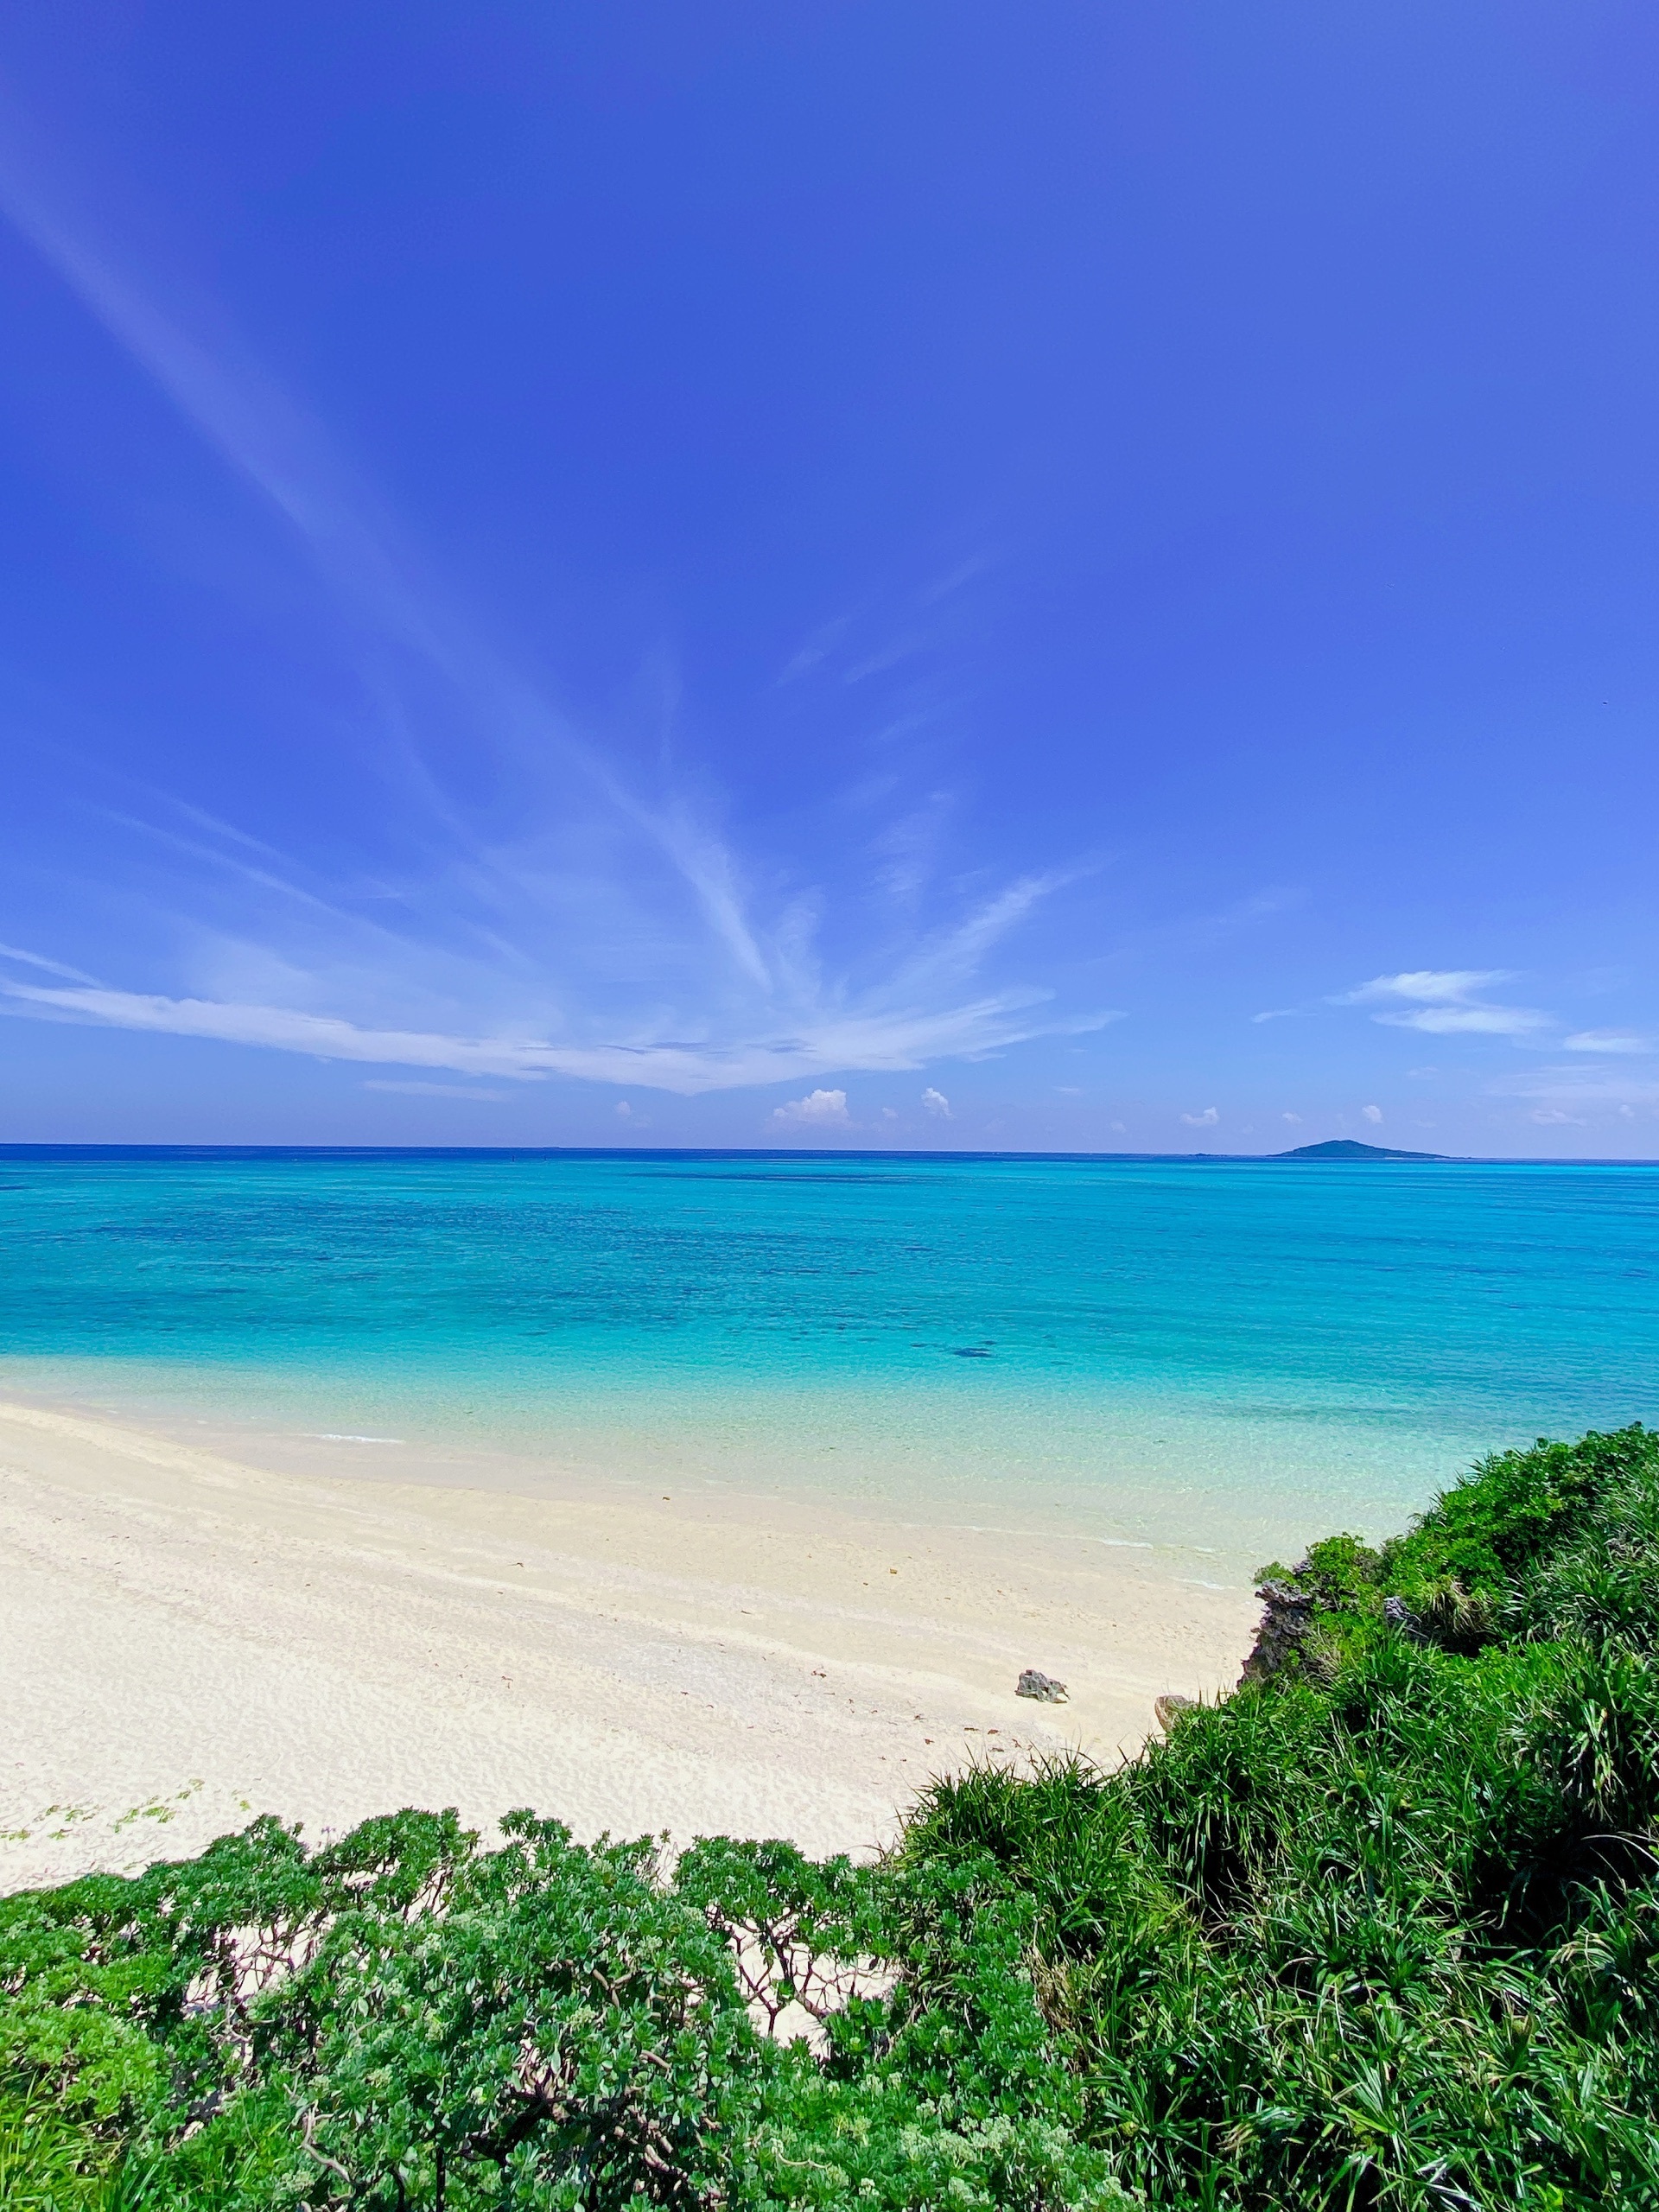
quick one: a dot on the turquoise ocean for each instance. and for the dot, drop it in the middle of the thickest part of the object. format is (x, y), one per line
(1223, 1357)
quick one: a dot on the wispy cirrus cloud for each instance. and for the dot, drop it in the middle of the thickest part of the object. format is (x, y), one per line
(956, 952)
(356, 546)
(46, 967)
(893, 1041)
(1573, 1090)
(503, 959)
(1445, 1002)
(417, 1089)
(1620, 1043)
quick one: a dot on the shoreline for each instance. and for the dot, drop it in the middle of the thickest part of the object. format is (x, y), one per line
(192, 1639)
(1209, 1483)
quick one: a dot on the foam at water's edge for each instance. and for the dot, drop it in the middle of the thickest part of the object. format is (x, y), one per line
(1235, 1484)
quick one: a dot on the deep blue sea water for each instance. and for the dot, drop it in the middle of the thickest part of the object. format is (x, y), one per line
(1225, 1356)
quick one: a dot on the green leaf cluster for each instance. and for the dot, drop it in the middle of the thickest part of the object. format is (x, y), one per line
(1380, 1931)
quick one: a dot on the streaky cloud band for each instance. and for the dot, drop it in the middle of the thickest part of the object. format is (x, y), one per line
(871, 1043)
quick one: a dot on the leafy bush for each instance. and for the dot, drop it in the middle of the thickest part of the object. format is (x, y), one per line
(1380, 1931)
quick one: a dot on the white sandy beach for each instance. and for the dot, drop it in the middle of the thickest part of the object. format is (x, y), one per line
(188, 1639)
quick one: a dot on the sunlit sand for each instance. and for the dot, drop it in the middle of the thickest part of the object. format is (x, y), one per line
(189, 1639)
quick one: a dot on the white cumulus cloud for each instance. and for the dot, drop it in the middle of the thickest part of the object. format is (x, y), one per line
(1372, 1113)
(936, 1104)
(1207, 1120)
(819, 1108)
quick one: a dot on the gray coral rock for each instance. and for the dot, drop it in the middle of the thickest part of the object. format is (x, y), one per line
(1043, 1686)
(1287, 1615)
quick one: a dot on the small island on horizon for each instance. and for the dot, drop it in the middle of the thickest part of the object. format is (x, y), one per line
(1350, 1148)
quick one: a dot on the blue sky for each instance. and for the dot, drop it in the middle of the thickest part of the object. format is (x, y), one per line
(1076, 575)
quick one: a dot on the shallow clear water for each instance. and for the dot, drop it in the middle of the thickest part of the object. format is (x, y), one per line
(1225, 1356)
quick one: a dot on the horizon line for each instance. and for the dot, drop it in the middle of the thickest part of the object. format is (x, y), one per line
(1387, 1156)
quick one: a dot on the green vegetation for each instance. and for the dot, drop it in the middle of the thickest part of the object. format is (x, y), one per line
(1381, 1930)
